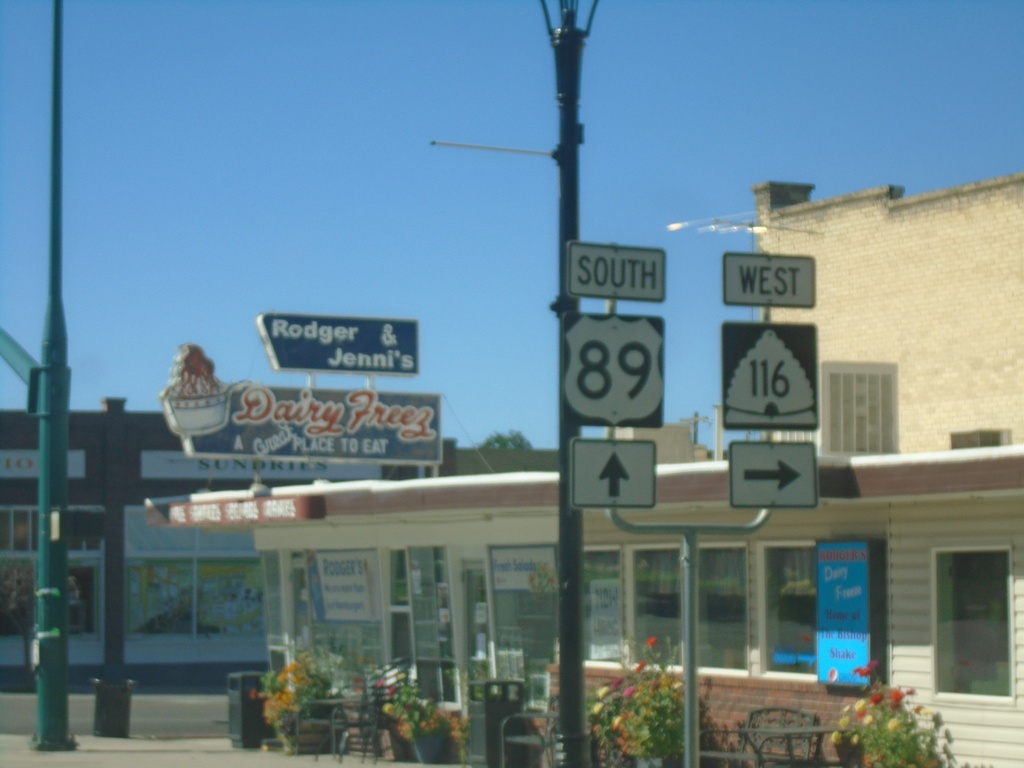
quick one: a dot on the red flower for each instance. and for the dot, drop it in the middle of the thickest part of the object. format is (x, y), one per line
(651, 642)
(866, 671)
(876, 698)
(640, 666)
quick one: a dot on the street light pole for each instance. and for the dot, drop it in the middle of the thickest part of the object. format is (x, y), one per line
(567, 41)
(48, 400)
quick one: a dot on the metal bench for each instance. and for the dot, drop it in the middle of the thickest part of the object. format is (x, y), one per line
(771, 737)
(537, 731)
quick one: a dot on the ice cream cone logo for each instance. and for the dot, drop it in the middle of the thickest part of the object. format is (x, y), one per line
(195, 401)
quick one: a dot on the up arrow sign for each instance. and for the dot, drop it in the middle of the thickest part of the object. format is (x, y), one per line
(612, 474)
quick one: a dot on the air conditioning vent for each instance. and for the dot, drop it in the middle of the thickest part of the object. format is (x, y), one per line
(979, 438)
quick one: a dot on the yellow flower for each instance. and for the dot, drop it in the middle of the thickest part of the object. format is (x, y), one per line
(868, 719)
(855, 739)
(597, 708)
(844, 722)
(602, 692)
(894, 724)
(861, 703)
(837, 737)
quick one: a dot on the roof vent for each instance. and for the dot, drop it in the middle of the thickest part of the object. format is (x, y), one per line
(979, 438)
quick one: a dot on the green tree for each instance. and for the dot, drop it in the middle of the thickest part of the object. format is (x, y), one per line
(17, 605)
(513, 440)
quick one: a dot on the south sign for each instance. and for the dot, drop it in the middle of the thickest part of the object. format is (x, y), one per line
(327, 344)
(615, 272)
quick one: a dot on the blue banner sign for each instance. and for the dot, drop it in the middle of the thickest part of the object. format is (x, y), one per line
(353, 345)
(844, 630)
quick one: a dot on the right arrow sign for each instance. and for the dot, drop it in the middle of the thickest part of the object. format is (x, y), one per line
(773, 475)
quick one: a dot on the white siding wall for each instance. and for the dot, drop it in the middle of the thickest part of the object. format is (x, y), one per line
(987, 730)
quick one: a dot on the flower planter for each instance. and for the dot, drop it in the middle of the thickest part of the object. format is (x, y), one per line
(402, 749)
(431, 749)
(850, 755)
(312, 738)
(658, 762)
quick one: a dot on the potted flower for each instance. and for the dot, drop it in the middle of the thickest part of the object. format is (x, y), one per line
(640, 715)
(288, 695)
(885, 729)
(421, 721)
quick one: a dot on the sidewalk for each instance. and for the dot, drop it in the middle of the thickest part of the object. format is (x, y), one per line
(97, 752)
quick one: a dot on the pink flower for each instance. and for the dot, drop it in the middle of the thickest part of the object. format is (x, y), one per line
(629, 692)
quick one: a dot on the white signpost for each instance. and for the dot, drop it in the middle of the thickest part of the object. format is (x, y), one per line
(773, 475)
(762, 280)
(613, 370)
(613, 473)
(616, 272)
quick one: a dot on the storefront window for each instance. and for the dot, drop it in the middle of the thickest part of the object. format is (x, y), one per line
(17, 585)
(430, 593)
(160, 597)
(271, 562)
(972, 622)
(722, 596)
(791, 595)
(525, 587)
(344, 605)
(602, 625)
(401, 613)
(658, 597)
(18, 537)
(184, 581)
(83, 608)
(230, 598)
(721, 599)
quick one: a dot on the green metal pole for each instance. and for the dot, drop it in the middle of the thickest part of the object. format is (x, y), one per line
(568, 45)
(49, 401)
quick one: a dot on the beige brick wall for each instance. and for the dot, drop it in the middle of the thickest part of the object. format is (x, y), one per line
(933, 283)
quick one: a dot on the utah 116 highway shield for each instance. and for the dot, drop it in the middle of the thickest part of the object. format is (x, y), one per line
(613, 370)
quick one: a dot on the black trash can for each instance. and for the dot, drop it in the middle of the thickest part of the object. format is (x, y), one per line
(113, 708)
(246, 725)
(494, 700)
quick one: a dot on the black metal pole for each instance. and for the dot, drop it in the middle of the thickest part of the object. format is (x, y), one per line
(567, 41)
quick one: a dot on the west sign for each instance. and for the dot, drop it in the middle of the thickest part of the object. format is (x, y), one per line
(355, 345)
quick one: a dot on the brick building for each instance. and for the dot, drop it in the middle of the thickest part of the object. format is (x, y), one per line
(157, 606)
(920, 465)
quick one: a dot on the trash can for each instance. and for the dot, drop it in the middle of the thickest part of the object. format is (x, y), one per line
(113, 708)
(246, 725)
(490, 702)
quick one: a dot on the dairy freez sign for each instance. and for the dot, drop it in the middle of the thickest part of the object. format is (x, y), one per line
(332, 425)
(325, 344)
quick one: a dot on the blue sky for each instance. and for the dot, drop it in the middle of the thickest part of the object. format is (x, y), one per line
(224, 158)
